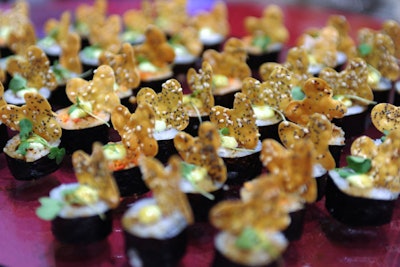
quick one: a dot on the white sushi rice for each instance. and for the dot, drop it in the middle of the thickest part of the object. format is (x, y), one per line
(318, 170)
(167, 134)
(372, 193)
(356, 109)
(224, 152)
(74, 211)
(165, 228)
(11, 98)
(208, 37)
(383, 85)
(225, 243)
(341, 58)
(32, 154)
(268, 122)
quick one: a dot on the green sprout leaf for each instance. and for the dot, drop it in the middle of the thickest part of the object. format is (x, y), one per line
(262, 42)
(49, 208)
(54, 33)
(57, 154)
(345, 172)
(247, 239)
(186, 169)
(385, 134)
(364, 49)
(359, 164)
(25, 129)
(23, 147)
(17, 83)
(297, 93)
(224, 131)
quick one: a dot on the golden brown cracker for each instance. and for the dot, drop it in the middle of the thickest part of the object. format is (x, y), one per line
(92, 170)
(385, 117)
(318, 99)
(240, 121)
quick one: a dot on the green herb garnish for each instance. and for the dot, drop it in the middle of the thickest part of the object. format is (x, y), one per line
(27, 136)
(355, 165)
(262, 42)
(224, 131)
(364, 49)
(385, 134)
(248, 239)
(297, 93)
(187, 170)
(49, 208)
(17, 83)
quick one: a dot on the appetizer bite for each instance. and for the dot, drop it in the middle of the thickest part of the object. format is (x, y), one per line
(170, 115)
(17, 31)
(240, 145)
(86, 120)
(136, 132)
(317, 97)
(378, 51)
(321, 47)
(171, 16)
(364, 192)
(155, 228)
(203, 171)
(229, 70)
(319, 130)
(200, 100)
(250, 229)
(212, 26)
(269, 100)
(135, 22)
(351, 87)
(34, 152)
(155, 57)
(127, 77)
(30, 72)
(87, 15)
(188, 49)
(103, 36)
(81, 212)
(69, 66)
(292, 173)
(55, 32)
(266, 36)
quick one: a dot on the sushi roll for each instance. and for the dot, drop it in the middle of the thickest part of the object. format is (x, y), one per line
(200, 100)
(34, 152)
(249, 231)
(319, 131)
(364, 192)
(301, 188)
(212, 26)
(81, 213)
(188, 49)
(86, 16)
(322, 48)
(104, 36)
(203, 171)
(86, 121)
(378, 50)
(240, 145)
(55, 31)
(354, 93)
(126, 72)
(30, 72)
(155, 229)
(136, 132)
(155, 57)
(229, 69)
(170, 116)
(269, 99)
(266, 36)
(69, 66)
(135, 22)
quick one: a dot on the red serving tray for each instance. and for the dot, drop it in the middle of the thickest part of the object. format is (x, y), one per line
(25, 240)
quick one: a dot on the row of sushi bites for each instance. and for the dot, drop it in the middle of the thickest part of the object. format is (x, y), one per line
(221, 153)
